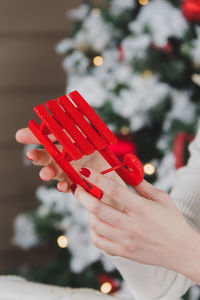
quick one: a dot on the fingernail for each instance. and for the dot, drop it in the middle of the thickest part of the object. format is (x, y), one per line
(85, 172)
(42, 179)
(29, 158)
(101, 194)
(73, 187)
(62, 187)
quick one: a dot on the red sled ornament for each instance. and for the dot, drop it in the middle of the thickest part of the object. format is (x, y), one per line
(80, 131)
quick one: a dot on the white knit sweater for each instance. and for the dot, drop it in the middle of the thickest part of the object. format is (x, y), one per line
(153, 283)
(145, 282)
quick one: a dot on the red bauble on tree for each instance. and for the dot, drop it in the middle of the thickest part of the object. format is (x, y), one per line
(181, 142)
(191, 10)
(123, 146)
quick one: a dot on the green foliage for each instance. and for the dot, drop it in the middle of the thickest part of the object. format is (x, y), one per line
(186, 296)
(110, 117)
(46, 226)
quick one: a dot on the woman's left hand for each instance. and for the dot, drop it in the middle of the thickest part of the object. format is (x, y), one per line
(145, 226)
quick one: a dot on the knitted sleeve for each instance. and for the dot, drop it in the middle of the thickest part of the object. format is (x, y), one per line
(156, 283)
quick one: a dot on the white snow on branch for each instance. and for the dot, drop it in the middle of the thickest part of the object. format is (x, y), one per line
(136, 102)
(119, 6)
(90, 87)
(182, 109)
(162, 19)
(135, 46)
(25, 236)
(80, 13)
(65, 45)
(196, 49)
(94, 34)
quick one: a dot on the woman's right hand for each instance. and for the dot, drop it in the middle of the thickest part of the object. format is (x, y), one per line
(51, 170)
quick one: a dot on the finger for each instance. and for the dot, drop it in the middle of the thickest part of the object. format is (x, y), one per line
(115, 190)
(47, 173)
(104, 244)
(99, 208)
(148, 191)
(112, 202)
(105, 230)
(53, 171)
(39, 157)
(25, 136)
(63, 186)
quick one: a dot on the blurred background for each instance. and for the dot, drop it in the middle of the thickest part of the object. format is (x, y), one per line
(31, 73)
(138, 64)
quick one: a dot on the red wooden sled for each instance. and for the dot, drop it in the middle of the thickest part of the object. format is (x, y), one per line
(88, 133)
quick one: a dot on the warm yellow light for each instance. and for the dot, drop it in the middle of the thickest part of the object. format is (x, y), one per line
(147, 73)
(98, 61)
(143, 2)
(196, 79)
(124, 130)
(149, 169)
(106, 287)
(62, 241)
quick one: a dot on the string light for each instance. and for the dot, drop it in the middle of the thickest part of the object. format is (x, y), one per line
(106, 287)
(196, 79)
(124, 130)
(147, 74)
(143, 2)
(62, 241)
(98, 61)
(149, 169)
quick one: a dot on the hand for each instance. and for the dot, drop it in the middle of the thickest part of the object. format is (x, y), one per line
(51, 169)
(148, 228)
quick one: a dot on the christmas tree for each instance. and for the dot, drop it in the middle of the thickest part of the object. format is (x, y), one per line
(138, 65)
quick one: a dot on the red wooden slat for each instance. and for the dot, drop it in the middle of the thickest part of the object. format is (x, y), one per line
(78, 118)
(70, 127)
(92, 116)
(45, 116)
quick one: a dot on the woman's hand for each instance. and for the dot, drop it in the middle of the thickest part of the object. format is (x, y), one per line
(147, 228)
(51, 170)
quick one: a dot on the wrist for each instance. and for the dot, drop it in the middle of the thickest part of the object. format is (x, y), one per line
(190, 262)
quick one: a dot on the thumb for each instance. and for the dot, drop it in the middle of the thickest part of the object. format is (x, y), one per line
(147, 190)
